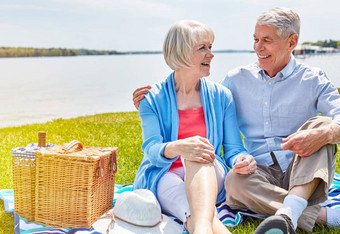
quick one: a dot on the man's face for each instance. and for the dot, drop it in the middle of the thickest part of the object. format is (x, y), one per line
(272, 51)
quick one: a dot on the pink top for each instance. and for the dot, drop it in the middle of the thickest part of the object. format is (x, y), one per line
(191, 123)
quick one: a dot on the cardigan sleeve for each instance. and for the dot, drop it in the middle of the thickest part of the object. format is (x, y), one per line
(232, 141)
(153, 141)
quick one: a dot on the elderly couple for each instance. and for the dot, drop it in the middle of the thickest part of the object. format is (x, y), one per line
(288, 162)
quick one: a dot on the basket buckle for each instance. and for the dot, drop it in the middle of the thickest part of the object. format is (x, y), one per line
(101, 166)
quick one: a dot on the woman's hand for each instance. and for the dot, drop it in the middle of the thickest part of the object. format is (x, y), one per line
(245, 164)
(197, 149)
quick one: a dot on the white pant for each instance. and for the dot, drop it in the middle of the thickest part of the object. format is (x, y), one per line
(171, 191)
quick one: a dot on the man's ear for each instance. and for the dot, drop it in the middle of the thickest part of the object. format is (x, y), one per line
(293, 40)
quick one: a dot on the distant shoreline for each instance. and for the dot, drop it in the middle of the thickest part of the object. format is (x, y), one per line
(16, 52)
(214, 51)
(306, 48)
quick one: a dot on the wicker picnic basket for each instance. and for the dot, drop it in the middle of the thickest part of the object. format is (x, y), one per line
(23, 166)
(74, 184)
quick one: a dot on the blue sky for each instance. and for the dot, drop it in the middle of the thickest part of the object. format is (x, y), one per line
(130, 25)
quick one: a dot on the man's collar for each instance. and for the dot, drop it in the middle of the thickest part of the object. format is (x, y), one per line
(289, 68)
(284, 73)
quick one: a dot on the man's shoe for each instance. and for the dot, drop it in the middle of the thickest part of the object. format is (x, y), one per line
(276, 224)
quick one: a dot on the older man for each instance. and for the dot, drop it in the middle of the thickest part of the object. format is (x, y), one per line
(274, 97)
(278, 101)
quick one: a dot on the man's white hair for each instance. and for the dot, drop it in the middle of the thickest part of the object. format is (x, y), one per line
(285, 20)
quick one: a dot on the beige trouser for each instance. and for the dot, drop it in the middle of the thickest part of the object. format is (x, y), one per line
(264, 191)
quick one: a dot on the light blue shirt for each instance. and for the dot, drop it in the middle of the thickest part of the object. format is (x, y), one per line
(160, 121)
(270, 109)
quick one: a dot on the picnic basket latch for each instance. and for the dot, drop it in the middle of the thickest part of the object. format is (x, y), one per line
(112, 163)
(114, 160)
(102, 166)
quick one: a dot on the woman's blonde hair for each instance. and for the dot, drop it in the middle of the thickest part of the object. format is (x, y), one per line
(179, 42)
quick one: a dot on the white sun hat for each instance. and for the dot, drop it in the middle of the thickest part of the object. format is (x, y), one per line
(137, 212)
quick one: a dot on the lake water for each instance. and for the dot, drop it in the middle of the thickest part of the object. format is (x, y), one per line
(35, 90)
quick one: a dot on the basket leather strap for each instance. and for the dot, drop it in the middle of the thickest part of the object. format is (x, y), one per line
(114, 161)
(101, 166)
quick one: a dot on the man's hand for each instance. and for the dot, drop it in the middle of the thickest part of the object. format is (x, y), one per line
(306, 142)
(245, 164)
(138, 94)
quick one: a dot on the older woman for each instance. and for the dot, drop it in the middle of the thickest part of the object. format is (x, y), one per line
(186, 119)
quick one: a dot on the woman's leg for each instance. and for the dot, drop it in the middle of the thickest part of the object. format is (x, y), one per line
(201, 190)
(171, 193)
(218, 226)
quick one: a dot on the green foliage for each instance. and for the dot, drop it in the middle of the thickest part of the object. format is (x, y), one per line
(37, 52)
(96, 52)
(326, 43)
(114, 129)
(330, 43)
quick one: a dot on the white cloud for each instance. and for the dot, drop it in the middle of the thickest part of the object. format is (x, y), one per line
(142, 24)
(137, 8)
(20, 7)
(9, 28)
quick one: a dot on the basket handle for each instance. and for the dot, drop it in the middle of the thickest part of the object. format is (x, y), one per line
(72, 144)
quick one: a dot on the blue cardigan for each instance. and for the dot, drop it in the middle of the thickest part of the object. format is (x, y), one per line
(159, 115)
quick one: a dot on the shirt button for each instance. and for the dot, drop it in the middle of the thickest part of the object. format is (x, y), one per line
(266, 103)
(267, 123)
(269, 83)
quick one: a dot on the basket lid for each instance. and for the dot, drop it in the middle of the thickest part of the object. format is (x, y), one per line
(76, 151)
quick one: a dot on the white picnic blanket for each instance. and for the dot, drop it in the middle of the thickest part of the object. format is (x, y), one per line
(230, 217)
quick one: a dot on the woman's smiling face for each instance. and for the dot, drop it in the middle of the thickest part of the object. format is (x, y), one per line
(201, 57)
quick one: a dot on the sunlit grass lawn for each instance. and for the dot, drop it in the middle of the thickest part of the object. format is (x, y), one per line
(118, 129)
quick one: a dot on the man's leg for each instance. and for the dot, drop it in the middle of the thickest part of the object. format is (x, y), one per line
(260, 192)
(316, 170)
(309, 179)
(263, 193)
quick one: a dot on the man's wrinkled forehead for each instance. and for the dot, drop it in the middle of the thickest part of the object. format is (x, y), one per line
(266, 31)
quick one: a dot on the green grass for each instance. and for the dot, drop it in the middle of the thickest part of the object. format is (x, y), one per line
(121, 130)
(118, 129)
